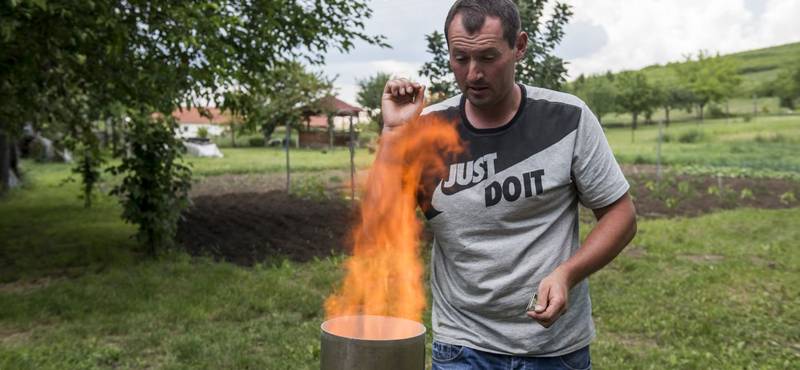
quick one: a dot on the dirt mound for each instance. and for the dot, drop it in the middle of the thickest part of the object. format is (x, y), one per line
(247, 228)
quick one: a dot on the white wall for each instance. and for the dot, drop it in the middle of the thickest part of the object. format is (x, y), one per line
(188, 130)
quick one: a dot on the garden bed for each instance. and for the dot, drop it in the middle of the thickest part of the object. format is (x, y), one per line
(232, 220)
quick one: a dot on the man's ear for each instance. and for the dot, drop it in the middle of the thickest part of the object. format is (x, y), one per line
(521, 45)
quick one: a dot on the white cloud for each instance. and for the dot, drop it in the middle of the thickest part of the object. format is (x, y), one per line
(643, 33)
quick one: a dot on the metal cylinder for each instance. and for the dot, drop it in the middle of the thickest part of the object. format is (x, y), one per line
(372, 342)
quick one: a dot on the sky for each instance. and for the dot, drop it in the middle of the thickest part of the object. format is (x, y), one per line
(602, 35)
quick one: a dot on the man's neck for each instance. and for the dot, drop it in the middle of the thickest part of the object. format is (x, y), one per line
(496, 115)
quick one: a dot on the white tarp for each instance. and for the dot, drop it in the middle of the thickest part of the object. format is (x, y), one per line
(203, 150)
(12, 179)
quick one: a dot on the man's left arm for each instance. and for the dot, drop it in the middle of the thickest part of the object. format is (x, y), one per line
(616, 227)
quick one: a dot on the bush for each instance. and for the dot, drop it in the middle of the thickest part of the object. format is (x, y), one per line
(202, 132)
(715, 111)
(692, 136)
(257, 142)
(747, 117)
(155, 187)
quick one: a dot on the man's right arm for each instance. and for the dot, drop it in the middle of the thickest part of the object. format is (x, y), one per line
(401, 104)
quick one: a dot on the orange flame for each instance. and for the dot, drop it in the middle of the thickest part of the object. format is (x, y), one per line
(384, 271)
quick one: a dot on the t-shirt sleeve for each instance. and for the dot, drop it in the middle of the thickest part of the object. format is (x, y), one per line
(595, 171)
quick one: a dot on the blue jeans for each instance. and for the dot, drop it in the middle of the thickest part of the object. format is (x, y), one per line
(450, 357)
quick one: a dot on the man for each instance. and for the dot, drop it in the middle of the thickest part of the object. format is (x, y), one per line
(505, 216)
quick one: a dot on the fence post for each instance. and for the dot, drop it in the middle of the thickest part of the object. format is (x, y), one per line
(352, 164)
(288, 172)
(658, 161)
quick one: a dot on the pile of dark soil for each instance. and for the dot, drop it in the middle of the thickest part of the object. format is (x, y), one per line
(248, 228)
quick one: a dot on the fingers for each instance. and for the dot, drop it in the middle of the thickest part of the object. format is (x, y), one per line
(401, 87)
(550, 307)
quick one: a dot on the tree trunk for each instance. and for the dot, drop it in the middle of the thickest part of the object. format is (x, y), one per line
(666, 109)
(87, 190)
(633, 126)
(330, 132)
(600, 116)
(267, 137)
(233, 133)
(13, 153)
(112, 142)
(700, 115)
(5, 157)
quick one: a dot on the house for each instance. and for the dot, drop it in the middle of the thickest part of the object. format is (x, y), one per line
(191, 121)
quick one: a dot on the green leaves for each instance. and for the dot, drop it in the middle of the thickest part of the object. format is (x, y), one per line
(438, 70)
(155, 189)
(370, 93)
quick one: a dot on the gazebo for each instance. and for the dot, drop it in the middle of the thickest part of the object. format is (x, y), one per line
(330, 113)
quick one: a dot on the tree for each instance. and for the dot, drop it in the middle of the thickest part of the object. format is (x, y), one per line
(786, 86)
(538, 68)
(711, 79)
(438, 70)
(635, 95)
(292, 94)
(674, 96)
(156, 56)
(598, 92)
(370, 92)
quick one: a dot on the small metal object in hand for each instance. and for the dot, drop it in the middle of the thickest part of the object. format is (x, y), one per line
(532, 303)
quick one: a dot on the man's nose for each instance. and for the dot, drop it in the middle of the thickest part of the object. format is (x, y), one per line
(475, 72)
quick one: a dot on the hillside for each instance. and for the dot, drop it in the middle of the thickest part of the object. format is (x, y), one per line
(756, 66)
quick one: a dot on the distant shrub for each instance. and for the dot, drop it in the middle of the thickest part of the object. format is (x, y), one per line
(747, 117)
(665, 138)
(257, 142)
(765, 109)
(715, 111)
(692, 136)
(202, 132)
(754, 69)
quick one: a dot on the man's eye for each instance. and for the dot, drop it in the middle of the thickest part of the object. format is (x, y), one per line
(488, 58)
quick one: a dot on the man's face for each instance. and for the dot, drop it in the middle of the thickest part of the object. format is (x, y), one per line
(483, 63)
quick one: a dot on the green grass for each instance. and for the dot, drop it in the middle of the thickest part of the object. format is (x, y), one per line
(46, 230)
(737, 107)
(771, 142)
(273, 160)
(717, 292)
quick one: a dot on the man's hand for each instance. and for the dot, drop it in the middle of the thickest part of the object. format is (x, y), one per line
(401, 103)
(553, 298)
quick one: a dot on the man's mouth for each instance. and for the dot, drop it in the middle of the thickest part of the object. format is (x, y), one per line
(478, 89)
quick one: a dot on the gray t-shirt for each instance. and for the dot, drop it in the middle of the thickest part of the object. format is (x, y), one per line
(505, 215)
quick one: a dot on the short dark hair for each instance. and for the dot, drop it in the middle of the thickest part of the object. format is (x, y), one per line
(474, 13)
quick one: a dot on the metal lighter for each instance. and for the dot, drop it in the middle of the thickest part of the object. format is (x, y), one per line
(532, 303)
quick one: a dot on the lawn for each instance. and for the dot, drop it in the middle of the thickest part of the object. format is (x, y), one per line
(273, 160)
(720, 291)
(766, 143)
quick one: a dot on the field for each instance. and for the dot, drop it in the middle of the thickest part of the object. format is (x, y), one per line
(714, 286)
(756, 67)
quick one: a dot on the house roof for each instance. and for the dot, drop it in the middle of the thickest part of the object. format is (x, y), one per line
(341, 107)
(192, 116)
